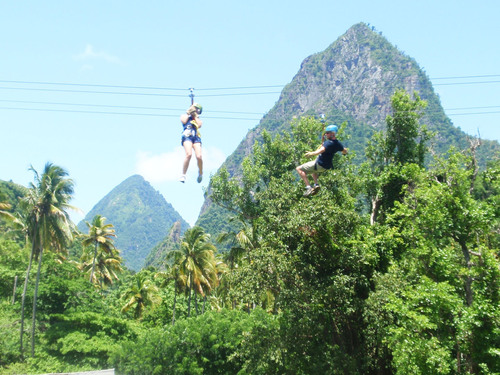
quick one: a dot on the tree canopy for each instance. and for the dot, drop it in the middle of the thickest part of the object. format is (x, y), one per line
(392, 268)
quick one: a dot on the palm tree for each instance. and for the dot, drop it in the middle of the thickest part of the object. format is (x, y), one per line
(141, 294)
(196, 261)
(5, 214)
(216, 278)
(180, 281)
(242, 242)
(105, 267)
(16, 218)
(48, 224)
(100, 235)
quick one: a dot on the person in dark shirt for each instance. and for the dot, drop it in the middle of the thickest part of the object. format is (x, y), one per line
(323, 162)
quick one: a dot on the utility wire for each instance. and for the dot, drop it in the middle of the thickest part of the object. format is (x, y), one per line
(88, 91)
(217, 88)
(208, 117)
(121, 113)
(139, 87)
(93, 85)
(127, 93)
(181, 110)
(464, 83)
(186, 95)
(467, 77)
(118, 106)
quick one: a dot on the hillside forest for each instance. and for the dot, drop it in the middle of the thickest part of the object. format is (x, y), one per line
(392, 268)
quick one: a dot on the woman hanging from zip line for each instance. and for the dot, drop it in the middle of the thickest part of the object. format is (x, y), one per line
(191, 122)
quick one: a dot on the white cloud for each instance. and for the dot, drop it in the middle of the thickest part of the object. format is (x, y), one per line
(86, 67)
(168, 166)
(91, 54)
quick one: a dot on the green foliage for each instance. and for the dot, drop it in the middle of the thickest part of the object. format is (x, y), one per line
(11, 193)
(441, 317)
(9, 333)
(142, 293)
(306, 257)
(86, 338)
(64, 288)
(226, 342)
(395, 156)
(13, 260)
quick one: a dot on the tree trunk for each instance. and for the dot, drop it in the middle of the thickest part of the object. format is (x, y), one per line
(196, 303)
(173, 309)
(33, 324)
(14, 291)
(189, 299)
(26, 288)
(376, 201)
(93, 263)
(468, 281)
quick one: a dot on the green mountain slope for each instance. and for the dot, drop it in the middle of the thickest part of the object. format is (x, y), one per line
(352, 81)
(10, 193)
(158, 254)
(141, 217)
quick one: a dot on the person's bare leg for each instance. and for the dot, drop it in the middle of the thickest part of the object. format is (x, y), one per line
(199, 159)
(188, 148)
(302, 175)
(315, 178)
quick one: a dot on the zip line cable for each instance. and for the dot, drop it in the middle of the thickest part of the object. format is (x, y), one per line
(180, 110)
(87, 91)
(93, 85)
(199, 89)
(191, 95)
(139, 87)
(119, 106)
(467, 77)
(208, 117)
(128, 93)
(465, 83)
(121, 113)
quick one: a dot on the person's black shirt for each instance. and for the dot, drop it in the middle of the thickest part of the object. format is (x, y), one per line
(331, 147)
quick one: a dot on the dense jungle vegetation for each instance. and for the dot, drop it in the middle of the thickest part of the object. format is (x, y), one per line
(391, 269)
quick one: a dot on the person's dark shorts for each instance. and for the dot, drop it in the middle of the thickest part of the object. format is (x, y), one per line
(192, 138)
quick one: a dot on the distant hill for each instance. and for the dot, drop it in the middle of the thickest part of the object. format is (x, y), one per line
(10, 193)
(353, 80)
(158, 254)
(141, 217)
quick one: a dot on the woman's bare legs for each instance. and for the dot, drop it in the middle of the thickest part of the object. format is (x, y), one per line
(197, 151)
(188, 148)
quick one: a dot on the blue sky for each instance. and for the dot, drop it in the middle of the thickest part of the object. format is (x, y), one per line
(97, 87)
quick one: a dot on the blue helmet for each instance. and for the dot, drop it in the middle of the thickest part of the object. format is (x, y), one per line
(332, 128)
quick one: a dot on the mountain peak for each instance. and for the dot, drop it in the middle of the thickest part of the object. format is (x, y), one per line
(354, 78)
(141, 217)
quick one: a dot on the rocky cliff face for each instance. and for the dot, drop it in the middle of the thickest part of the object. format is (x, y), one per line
(355, 76)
